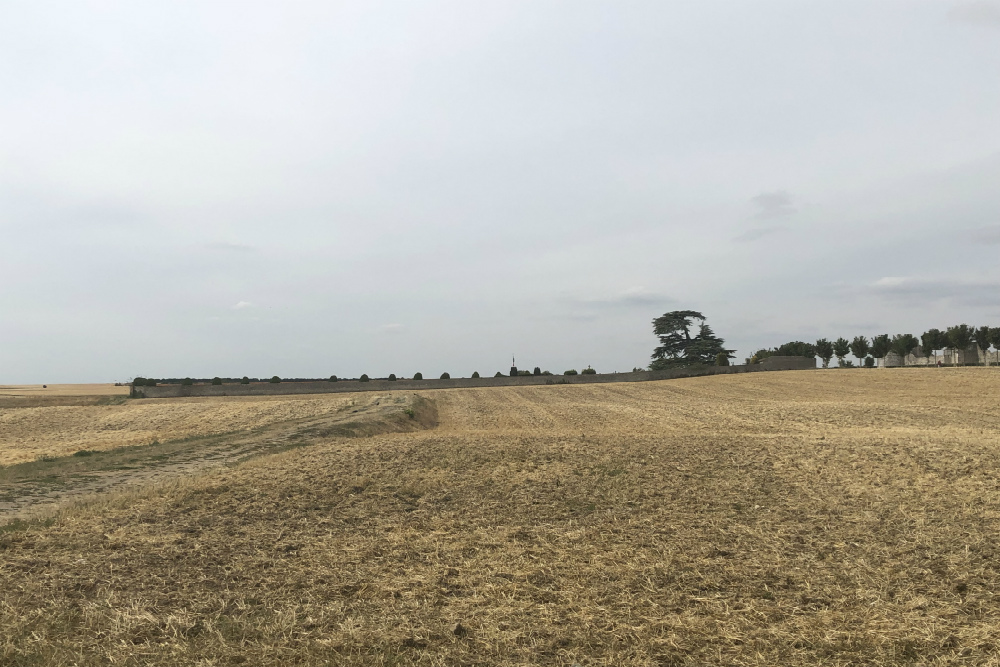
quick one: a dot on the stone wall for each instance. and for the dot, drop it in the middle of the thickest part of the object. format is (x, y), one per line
(269, 389)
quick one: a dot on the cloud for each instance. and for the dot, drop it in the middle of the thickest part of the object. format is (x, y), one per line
(773, 205)
(987, 235)
(758, 234)
(226, 246)
(393, 328)
(980, 12)
(630, 298)
(927, 290)
(242, 305)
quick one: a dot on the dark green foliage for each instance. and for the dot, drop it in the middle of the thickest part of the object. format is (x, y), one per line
(187, 382)
(903, 344)
(860, 348)
(333, 378)
(841, 348)
(364, 378)
(524, 373)
(475, 374)
(498, 375)
(880, 346)
(760, 355)
(722, 359)
(216, 381)
(590, 371)
(869, 362)
(445, 376)
(546, 372)
(418, 376)
(845, 363)
(245, 380)
(984, 337)
(143, 382)
(995, 337)
(960, 337)
(570, 372)
(537, 371)
(84, 452)
(824, 350)
(933, 340)
(796, 348)
(392, 377)
(678, 348)
(275, 379)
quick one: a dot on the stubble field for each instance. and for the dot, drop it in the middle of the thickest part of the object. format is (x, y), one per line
(837, 517)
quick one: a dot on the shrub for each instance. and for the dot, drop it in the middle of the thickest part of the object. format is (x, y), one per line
(537, 371)
(722, 359)
(333, 378)
(216, 380)
(546, 372)
(187, 382)
(275, 379)
(245, 380)
(524, 373)
(589, 371)
(869, 362)
(418, 376)
(570, 372)
(475, 374)
(392, 377)
(498, 375)
(445, 376)
(364, 378)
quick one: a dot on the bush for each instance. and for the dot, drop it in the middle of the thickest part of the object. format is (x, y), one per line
(216, 381)
(245, 380)
(537, 371)
(722, 359)
(445, 376)
(546, 372)
(524, 373)
(364, 378)
(392, 377)
(333, 378)
(589, 371)
(869, 362)
(275, 379)
(475, 374)
(187, 382)
(570, 372)
(418, 376)
(498, 375)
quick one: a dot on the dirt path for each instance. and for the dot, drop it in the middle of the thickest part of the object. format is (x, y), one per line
(35, 488)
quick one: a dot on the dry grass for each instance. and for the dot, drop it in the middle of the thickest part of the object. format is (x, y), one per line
(29, 433)
(843, 518)
(38, 390)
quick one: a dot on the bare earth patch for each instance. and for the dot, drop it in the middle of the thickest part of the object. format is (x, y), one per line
(839, 517)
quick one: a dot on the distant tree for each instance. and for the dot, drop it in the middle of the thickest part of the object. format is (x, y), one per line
(364, 378)
(995, 336)
(824, 350)
(537, 371)
(274, 379)
(445, 376)
(245, 380)
(960, 337)
(678, 348)
(722, 359)
(933, 340)
(880, 346)
(392, 377)
(860, 348)
(524, 373)
(869, 362)
(546, 372)
(796, 349)
(216, 380)
(841, 348)
(903, 344)
(187, 382)
(418, 376)
(984, 338)
(475, 374)
(499, 375)
(590, 371)
(570, 372)
(760, 355)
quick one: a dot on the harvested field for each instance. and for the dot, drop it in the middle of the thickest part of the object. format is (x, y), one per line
(837, 517)
(39, 391)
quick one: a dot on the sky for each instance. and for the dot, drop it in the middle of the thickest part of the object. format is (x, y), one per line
(315, 188)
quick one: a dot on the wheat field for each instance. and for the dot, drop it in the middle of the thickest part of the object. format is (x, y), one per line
(817, 517)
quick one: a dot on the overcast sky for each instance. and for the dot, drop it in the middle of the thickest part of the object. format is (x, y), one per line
(306, 188)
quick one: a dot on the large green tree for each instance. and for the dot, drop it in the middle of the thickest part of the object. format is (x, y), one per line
(903, 344)
(960, 337)
(880, 346)
(796, 348)
(824, 350)
(685, 340)
(841, 348)
(860, 348)
(933, 340)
